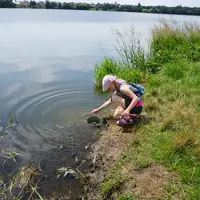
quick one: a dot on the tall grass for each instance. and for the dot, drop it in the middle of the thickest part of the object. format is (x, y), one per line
(172, 42)
(130, 50)
(169, 42)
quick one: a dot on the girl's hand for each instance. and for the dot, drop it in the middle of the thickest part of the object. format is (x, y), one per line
(95, 111)
(126, 113)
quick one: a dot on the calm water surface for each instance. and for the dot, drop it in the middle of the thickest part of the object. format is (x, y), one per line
(47, 62)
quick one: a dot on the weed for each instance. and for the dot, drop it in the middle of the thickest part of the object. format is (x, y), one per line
(9, 153)
(141, 162)
(130, 49)
(185, 140)
(127, 196)
(113, 183)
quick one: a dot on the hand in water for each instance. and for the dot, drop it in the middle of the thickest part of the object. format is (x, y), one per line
(95, 111)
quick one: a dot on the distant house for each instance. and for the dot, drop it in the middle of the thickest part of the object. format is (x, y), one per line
(117, 5)
(17, 2)
(92, 5)
(22, 4)
(41, 4)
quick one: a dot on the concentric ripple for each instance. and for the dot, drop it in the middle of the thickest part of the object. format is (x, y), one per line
(53, 119)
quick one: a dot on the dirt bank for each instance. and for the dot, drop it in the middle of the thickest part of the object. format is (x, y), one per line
(149, 182)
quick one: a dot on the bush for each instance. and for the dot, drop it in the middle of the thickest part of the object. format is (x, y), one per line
(109, 66)
(130, 75)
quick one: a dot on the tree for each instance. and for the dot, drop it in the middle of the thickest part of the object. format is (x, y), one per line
(82, 6)
(67, 6)
(54, 5)
(106, 7)
(48, 5)
(139, 8)
(59, 5)
(33, 4)
(7, 4)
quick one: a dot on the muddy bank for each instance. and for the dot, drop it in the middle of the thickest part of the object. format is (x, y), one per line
(105, 152)
(148, 182)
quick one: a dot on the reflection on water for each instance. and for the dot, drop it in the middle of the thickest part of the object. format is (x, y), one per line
(42, 108)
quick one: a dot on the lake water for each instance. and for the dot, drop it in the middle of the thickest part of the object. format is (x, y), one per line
(47, 60)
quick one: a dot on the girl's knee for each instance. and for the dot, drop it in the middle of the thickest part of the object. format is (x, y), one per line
(114, 98)
(118, 112)
(119, 100)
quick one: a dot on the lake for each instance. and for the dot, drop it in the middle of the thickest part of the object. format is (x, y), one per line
(47, 60)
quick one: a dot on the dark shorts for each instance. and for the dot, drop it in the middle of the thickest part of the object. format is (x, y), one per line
(136, 109)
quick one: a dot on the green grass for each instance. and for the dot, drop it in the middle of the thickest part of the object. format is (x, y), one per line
(174, 42)
(112, 183)
(172, 136)
(109, 66)
(127, 196)
(169, 43)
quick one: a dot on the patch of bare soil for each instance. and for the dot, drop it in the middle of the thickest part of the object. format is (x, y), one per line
(148, 183)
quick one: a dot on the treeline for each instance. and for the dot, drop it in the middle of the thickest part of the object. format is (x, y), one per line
(7, 4)
(105, 7)
(124, 8)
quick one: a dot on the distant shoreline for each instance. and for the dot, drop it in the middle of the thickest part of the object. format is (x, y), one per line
(177, 10)
(100, 11)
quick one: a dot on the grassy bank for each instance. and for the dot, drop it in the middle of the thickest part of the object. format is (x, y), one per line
(171, 136)
(169, 43)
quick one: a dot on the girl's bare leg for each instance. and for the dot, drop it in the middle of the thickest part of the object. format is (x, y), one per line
(118, 112)
(121, 105)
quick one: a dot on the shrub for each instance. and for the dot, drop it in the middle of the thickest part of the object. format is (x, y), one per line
(109, 66)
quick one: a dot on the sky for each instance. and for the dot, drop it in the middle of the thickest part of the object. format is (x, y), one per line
(191, 3)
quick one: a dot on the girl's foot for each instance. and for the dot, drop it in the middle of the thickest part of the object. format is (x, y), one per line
(125, 121)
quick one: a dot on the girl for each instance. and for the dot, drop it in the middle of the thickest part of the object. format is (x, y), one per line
(127, 97)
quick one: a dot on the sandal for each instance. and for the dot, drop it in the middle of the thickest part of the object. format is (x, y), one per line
(125, 121)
